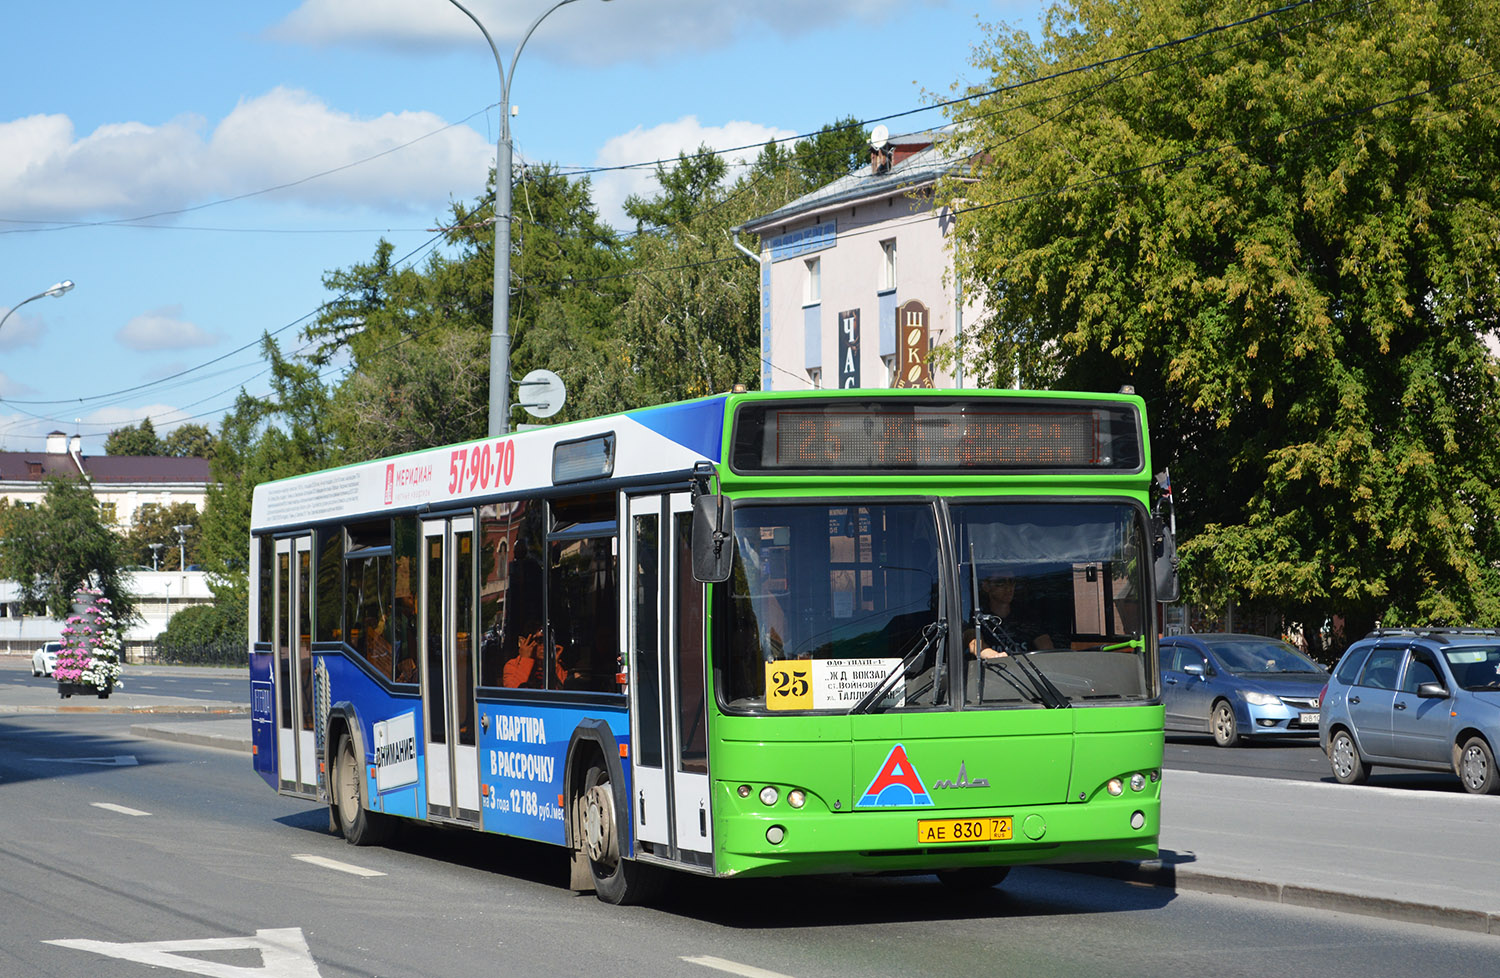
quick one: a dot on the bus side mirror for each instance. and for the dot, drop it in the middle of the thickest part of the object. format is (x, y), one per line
(1165, 567)
(713, 544)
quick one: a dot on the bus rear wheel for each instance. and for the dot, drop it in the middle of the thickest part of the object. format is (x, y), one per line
(358, 825)
(616, 880)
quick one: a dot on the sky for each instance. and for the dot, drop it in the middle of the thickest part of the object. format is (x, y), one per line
(197, 168)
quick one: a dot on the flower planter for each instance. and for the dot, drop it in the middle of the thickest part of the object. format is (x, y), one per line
(66, 690)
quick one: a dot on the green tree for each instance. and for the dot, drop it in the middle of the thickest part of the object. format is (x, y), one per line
(59, 545)
(154, 523)
(1285, 235)
(260, 439)
(189, 441)
(134, 440)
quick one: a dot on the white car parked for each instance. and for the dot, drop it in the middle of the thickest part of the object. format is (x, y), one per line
(44, 659)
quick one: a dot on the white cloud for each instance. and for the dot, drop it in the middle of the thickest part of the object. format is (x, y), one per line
(163, 329)
(627, 30)
(131, 169)
(19, 330)
(665, 142)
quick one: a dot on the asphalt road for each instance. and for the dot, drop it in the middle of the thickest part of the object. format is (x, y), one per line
(124, 858)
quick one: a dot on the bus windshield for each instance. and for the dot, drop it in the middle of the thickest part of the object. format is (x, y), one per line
(870, 606)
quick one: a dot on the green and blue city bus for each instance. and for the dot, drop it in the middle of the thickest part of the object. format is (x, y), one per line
(756, 634)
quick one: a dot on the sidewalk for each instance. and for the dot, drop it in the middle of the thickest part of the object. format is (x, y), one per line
(1419, 856)
(1424, 857)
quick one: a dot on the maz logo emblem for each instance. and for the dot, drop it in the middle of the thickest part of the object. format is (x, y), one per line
(963, 780)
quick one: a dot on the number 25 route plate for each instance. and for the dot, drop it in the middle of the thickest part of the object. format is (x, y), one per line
(993, 828)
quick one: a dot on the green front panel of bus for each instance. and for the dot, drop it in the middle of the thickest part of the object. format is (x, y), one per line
(1045, 770)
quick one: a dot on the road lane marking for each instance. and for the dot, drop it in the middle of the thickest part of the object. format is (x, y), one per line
(283, 954)
(118, 808)
(327, 863)
(119, 760)
(734, 967)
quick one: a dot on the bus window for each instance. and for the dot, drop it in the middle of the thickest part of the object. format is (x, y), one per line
(847, 588)
(328, 620)
(510, 598)
(267, 603)
(583, 616)
(407, 539)
(368, 594)
(1060, 583)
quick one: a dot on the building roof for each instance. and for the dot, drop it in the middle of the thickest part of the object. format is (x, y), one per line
(927, 157)
(104, 470)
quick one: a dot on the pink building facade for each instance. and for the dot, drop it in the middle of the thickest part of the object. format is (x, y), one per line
(856, 281)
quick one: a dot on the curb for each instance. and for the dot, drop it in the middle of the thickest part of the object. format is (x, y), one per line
(1155, 872)
(184, 734)
(167, 709)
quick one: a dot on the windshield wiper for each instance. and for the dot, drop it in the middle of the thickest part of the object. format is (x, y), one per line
(1049, 695)
(930, 643)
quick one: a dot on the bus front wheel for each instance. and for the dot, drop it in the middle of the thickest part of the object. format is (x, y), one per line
(616, 880)
(359, 826)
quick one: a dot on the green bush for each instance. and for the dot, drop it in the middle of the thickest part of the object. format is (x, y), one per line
(203, 635)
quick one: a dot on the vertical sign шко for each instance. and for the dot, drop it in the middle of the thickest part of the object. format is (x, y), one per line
(849, 349)
(911, 367)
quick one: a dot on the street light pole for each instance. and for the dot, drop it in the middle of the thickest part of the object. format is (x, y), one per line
(58, 289)
(155, 554)
(499, 422)
(182, 545)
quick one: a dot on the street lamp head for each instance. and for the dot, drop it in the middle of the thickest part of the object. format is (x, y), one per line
(66, 285)
(183, 528)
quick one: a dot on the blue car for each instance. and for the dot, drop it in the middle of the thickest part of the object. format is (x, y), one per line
(1238, 687)
(1416, 698)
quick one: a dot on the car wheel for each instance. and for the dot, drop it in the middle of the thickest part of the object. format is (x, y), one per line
(1343, 756)
(1476, 768)
(1225, 730)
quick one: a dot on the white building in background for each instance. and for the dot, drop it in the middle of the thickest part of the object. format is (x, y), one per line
(158, 595)
(122, 484)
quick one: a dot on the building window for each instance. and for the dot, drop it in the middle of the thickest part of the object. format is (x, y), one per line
(107, 513)
(888, 265)
(813, 293)
(815, 377)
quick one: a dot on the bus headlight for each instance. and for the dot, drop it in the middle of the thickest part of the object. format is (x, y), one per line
(1115, 787)
(1137, 820)
(1137, 781)
(768, 795)
(796, 798)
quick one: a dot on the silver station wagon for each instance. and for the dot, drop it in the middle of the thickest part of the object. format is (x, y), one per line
(1416, 698)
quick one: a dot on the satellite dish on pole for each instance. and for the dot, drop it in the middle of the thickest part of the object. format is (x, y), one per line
(542, 393)
(880, 137)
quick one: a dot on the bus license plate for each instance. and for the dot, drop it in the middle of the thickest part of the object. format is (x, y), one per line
(939, 830)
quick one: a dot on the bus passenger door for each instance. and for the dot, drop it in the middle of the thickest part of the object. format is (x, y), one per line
(296, 749)
(646, 612)
(447, 637)
(668, 688)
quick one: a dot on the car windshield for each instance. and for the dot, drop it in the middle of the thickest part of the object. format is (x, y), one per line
(1269, 656)
(1475, 668)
